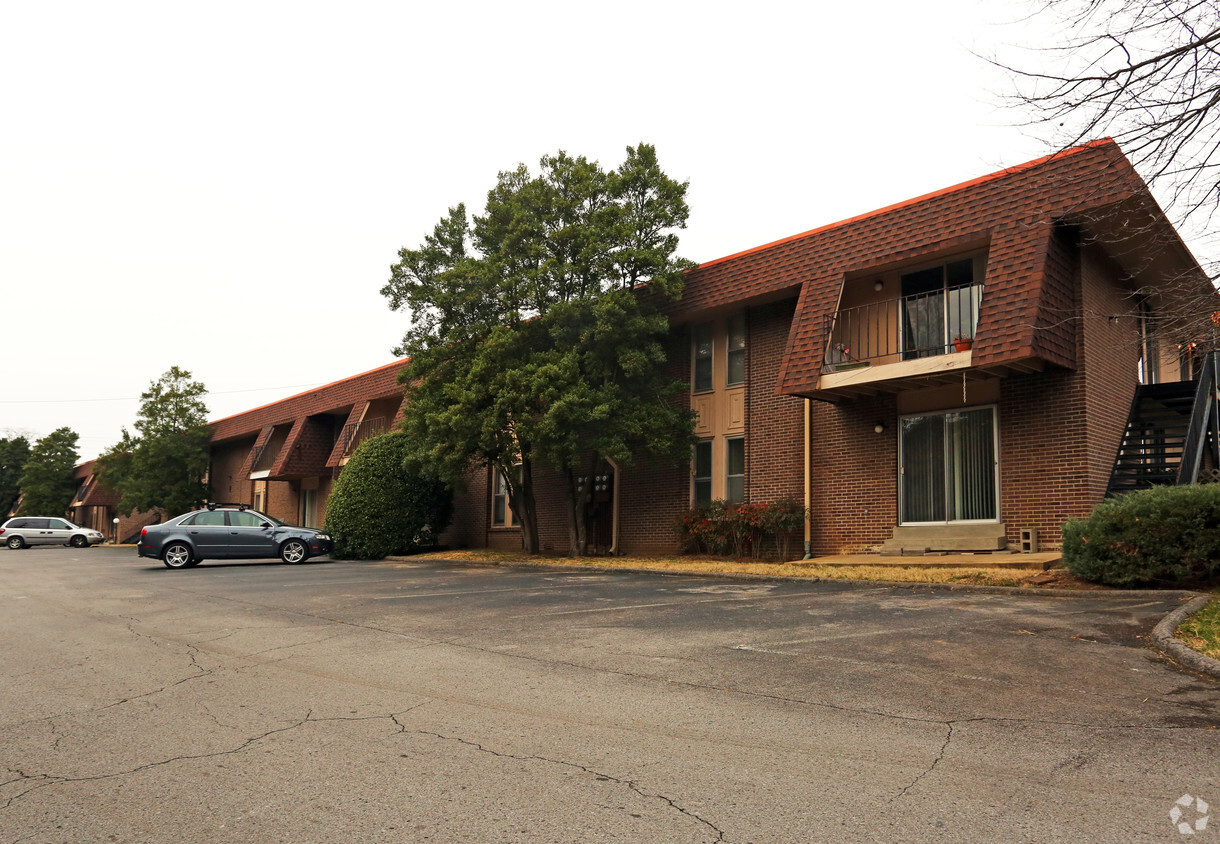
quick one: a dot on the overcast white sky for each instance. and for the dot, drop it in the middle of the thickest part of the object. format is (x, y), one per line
(224, 186)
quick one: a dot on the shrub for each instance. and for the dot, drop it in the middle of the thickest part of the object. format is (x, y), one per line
(1165, 535)
(781, 520)
(721, 528)
(379, 508)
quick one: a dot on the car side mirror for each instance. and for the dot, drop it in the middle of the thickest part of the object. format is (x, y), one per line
(265, 525)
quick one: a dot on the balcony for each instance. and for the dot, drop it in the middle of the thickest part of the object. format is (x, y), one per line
(920, 335)
(354, 434)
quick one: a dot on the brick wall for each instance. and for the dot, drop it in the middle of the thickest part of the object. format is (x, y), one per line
(775, 424)
(854, 474)
(1109, 347)
(226, 481)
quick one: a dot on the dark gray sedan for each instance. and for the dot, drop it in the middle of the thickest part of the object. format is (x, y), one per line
(229, 533)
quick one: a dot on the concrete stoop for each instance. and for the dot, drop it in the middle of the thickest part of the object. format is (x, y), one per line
(925, 539)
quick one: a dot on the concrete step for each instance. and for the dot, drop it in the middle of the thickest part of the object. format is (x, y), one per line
(923, 539)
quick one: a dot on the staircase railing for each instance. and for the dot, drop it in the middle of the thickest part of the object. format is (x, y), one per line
(1201, 414)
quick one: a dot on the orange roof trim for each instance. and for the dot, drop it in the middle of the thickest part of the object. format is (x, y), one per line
(999, 174)
(399, 362)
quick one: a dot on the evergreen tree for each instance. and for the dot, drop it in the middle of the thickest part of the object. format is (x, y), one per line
(162, 466)
(47, 481)
(536, 338)
(14, 452)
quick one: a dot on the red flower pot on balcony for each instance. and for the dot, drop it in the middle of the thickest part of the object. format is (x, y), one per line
(963, 344)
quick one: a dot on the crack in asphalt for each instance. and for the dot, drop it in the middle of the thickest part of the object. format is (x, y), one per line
(600, 775)
(45, 780)
(935, 761)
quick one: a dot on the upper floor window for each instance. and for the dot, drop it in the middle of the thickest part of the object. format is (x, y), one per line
(703, 357)
(1150, 352)
(940, 306)
(736, 367)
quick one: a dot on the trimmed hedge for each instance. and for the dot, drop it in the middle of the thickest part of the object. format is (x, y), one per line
(1164, 535)
(379, 508)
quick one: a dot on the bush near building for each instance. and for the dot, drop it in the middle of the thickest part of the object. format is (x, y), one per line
(379, 508)
(1161, 536)
(723, 528)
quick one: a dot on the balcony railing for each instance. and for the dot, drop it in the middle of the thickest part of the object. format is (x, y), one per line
(916, 326)
(367, 428)
(264, 458)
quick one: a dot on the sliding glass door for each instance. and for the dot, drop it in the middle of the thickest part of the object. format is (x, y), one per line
(947, 467)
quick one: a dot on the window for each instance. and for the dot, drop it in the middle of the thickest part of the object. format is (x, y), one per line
(501, 512)
(947, 468)
(940, 305)
(242, 518)
(309, 508)
(59, 524)
(735, 474)
(703, 357)
(736, 368)
(1150, 353)
(206, 517)
(703, 473)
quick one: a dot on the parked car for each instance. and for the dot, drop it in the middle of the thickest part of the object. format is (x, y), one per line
(229, 533)
(22, 531)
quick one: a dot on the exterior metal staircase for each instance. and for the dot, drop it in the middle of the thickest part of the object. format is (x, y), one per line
(1169, 429)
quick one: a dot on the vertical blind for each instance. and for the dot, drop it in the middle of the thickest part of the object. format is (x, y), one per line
(948, 467)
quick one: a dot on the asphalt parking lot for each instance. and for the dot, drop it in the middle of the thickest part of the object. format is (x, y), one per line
(347, 701)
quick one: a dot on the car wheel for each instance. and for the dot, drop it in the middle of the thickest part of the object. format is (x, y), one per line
(176, 555)
(78, 541)
(293, 551)
(16, 543)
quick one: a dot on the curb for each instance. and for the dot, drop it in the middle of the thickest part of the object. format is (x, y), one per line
(1164, 640)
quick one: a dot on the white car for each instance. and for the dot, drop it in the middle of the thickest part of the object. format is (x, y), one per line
(23, 531)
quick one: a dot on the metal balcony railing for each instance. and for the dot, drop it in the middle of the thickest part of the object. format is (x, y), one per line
(916, 326)
(367, 428)
(264, 458)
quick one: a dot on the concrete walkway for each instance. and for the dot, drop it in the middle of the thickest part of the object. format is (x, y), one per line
(1033, 562)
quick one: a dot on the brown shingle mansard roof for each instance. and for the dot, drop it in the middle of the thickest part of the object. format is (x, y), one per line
(367, 386)
(1011, 213)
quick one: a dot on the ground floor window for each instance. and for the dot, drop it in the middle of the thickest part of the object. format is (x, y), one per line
(309, 508)
(702, 483)
(947, 467)
(501, 512)
(735, 470)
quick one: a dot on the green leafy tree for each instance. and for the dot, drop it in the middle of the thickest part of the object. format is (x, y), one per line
(536, 338)
(14, 452)
(47, 481)
(380, 507)
(162, 466)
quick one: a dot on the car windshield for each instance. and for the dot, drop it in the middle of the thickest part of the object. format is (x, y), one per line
(272, 519)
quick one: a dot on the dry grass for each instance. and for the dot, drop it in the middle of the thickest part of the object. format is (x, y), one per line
(697, 565)
(1202, 630)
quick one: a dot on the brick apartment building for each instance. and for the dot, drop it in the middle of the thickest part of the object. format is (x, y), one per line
(946, 372)
(93, 506)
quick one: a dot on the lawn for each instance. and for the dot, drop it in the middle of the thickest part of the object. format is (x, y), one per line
(981, 576)
(1202, 630)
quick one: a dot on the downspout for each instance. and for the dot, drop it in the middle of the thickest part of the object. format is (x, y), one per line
(808, 489)
(614, 552)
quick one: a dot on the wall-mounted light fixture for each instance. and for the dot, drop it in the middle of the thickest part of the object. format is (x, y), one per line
(878, 285)
(879, 428)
